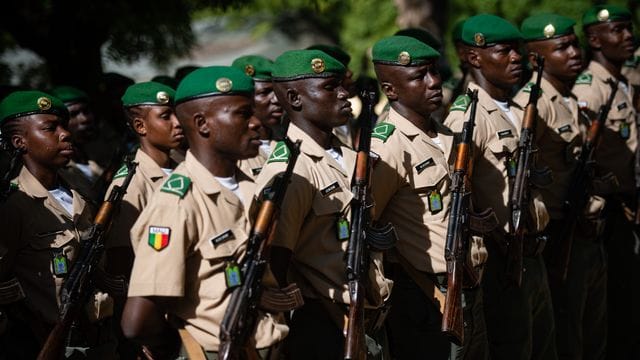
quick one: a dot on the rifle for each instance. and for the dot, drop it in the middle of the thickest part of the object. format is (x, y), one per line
(80, 283)
(241, 316)
(458, 231)
(519, 194)
(576, 199)
(363, 236)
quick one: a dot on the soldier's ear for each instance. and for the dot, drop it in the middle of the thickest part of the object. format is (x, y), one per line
(533, 59)
(138, 126)
(593, 39)
(293, 98)
(389, 90)
(19, 143)
(200, 122)
(473, 57)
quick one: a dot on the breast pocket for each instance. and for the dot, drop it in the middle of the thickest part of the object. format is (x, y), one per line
(332, 198)
(53, 251)
(223, 246)
(428, 182)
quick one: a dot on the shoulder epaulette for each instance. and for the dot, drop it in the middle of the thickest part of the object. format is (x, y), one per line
(176, 184)
(280, 153)
(122, 172)
(461, 104)
(632, 63)
(382, 131)
(584, 78)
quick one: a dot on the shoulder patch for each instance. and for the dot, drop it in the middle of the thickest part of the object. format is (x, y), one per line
(633, 62)
(176, 184)
(461, 104)
(122, 172)
(584, 78)
(382, 131)
(280, 153)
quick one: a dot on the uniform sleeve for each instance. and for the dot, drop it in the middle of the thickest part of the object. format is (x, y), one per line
(589, 98)
(296, 205)
(387, 175)
(162, 236)
(125, 216)
(11, 225)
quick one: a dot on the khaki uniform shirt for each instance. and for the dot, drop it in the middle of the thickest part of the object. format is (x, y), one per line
(35, 228)
(615, 154)
(147, 178)
(254, 165)
(495, 140)
(558, 140)
(195, 234)
(318, 195)
(412, 167)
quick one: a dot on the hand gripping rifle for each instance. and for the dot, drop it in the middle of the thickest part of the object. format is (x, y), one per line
(578, 193)
(241, 315)
(520, 191)
(80, 283)
(457, 245)
(362, 237)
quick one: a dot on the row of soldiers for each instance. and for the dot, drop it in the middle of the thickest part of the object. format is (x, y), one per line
(177, 239)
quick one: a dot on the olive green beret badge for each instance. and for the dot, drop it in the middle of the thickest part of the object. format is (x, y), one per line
(44, 103)
(224, 84)
(478, 38)
(549, 31)
(404, 58)
(162, 97)
(603, 15)
(317, 65)
(249, 70)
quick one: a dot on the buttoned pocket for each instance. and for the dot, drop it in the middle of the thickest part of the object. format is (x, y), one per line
(331, 199)
(223, 245)
(52, 239)
(428, 178)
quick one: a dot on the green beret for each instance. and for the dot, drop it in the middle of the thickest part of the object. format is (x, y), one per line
(213, 81)
(546, 26)
(69, 94)
(256, 66)
(302, 64)
(604, 13)
(486, 30)
(422, 35)
(148, 93)
(334, 51)
(24, 103)
(402, 50)
(456, 32)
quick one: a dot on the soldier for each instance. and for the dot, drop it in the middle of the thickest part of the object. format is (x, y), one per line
(42, 219)
(609, 33)
(309, 243)
(580, 302)
(411, 190)
(149, 110)
(519, 319)
(268, 109)
(190, 237)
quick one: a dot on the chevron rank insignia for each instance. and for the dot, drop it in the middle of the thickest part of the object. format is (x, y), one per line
(176, 184)
(382, 131)
(122, 172)
(584, 78)
(280, 153)
(461, 104)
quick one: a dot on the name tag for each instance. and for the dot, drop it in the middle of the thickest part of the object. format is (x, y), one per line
(504, 133)
(425, 164)
(256, 171)
(330, 189)
(622, 106)
(564, 129)
(221, 238)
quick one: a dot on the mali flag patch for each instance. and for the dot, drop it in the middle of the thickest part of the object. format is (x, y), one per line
(159, 237)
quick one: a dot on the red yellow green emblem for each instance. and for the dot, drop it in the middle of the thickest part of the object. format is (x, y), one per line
(159, 237)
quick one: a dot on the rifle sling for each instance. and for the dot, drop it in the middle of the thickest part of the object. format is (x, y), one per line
(191, 346)
(428, 287)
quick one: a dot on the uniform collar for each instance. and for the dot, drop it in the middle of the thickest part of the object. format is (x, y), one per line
(148, 166)
(599, 71)
(411, 131)
(310, 147)
(486, 101)
(201, 175)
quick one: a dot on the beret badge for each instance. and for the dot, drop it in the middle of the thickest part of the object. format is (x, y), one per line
(603, 15)
(478, 38)
(162, 97)
(224, 84)
(44, 103)
(549, 31)
(404, 58)
(317, 65)
(249, 70)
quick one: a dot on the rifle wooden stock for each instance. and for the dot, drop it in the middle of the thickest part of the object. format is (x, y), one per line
(79, 284)
(578, 193)
(520, 190)
(240, 317)
(457, 241)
